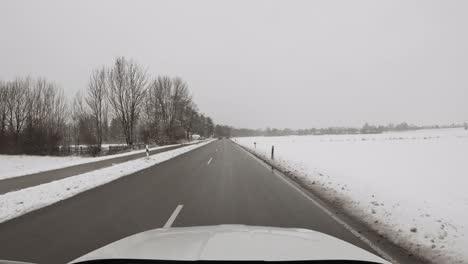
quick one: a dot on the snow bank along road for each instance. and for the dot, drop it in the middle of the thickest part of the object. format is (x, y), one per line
(218, 183)
(21, 182)
(408, 186)
(22, 165)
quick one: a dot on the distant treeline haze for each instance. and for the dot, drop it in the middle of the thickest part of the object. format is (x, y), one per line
(122, 104)
(228, 131)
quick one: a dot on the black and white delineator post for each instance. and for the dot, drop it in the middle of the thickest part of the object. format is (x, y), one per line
(272, 157)
(147, 152)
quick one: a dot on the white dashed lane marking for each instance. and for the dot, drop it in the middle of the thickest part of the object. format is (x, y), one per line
(171, 219)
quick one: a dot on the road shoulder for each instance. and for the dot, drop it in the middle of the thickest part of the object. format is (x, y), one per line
(387, 249)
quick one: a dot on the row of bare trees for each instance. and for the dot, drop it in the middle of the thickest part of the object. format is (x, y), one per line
(170, 111)
(33, 116)
(144, 109)
(122, 104)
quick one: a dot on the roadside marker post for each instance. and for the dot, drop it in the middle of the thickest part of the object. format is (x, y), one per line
(255, 144)
(272, 152)
(147, 152)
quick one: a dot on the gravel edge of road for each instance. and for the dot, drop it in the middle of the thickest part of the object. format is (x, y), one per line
(338, 211)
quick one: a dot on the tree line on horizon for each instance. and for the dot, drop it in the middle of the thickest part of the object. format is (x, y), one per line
(229, 131)
(122, 104)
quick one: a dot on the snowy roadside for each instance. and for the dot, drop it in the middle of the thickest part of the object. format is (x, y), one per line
(408, 186)
(21, 165)
(17, 203)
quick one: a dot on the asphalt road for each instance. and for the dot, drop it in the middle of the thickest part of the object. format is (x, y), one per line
(17, 183)
(216, 184)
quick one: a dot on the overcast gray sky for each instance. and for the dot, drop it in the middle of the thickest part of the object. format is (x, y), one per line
(260, 63)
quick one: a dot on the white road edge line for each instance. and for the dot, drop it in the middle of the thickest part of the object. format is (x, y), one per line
(171, 219)
(209, 161)
(326, 210)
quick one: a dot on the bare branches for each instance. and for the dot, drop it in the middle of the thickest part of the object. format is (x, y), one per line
(172, 109)
(17, 105)
(35, 116)
(127, 86)
(3, 108)
(97, 100)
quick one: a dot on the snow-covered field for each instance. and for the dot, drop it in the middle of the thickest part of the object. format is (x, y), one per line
(410, 186)
(17, 203)
(19, 165)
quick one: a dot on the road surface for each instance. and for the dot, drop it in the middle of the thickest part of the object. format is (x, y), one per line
(219, 183)
(21, 182)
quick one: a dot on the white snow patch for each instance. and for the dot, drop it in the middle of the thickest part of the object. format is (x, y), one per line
(20, 165)
(410, 186)
(17, 203)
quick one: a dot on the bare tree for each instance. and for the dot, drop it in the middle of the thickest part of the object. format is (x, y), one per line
(18, 106)
(189, 118)
(47, 117)
(42, 103)
(158, 107)
(180, 99)
(127, 85)
(209, 127)
(79, 118)
(3, 108)
(96, 100)
(33, 116)
(60, 112)
(168, 108)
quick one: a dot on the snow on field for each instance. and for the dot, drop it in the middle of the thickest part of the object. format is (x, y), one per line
(19, 165)
(410, 186)
(14, 204)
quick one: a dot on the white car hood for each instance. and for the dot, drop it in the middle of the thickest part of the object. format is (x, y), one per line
(231, 242)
